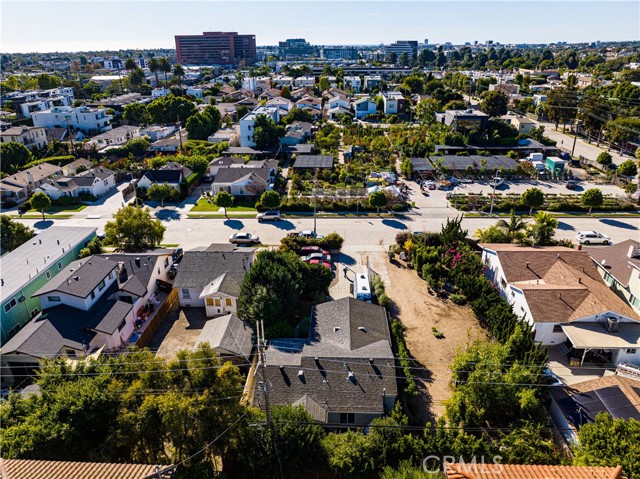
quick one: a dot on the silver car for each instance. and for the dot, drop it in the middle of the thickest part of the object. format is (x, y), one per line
(592, 237)
(243, 238)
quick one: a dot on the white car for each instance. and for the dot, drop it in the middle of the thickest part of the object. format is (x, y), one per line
(310, 234)
(270, 215)
(243, 238)
(592, 237)
(496, 182)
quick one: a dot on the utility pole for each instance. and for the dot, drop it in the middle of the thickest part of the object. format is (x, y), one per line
(493, 195)
(575, 137)
(179, 132)
(263, 371)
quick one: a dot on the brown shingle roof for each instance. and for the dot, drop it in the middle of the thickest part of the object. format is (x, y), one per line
(517, 471)
(34, 469)
(560, 284)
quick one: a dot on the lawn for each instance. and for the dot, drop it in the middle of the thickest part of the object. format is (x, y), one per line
(59, 209)
(206, 204)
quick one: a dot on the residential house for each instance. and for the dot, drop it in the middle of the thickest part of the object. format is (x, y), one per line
(284, 104)
(17, 188)
(561, 294)
(116, 137)
(88, 120)
(576, 405)
(372, 82)
(95, 182)
(394, 103)
(247, 122)
(422, 167)
(269, 94)
(619, 266)
(343, 373)
(337, 101)
(310, 102)
(196, 92)
(211, 279)
(364, 107)
(353, 83)
(25, 103)
(300, 93)
(229, 135)
(167, 145)
(251, 179)
(337, 112)
(29, 136)
(506, 88)
(230, 337)
(223, 162)
(281, 81)
(95, 303)
(160, 92)
(304, 82)
(296, 133)
(72, 168)
(172, 174)
(464, 120)
(38, 469)
(312, 163)
(158, 132)
(475, 470)
(27, 268)
(519, 122)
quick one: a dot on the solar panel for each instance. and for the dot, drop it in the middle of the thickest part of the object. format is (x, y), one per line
(617, 403)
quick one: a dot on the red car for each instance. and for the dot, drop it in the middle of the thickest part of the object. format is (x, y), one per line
(305, 250)
(326, 264)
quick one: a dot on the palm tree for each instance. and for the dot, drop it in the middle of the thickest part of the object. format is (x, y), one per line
(165, 67)
(154, 66)
(513, 228)
(543, 228)
(130, 64)
(178, 74)
(136, 78)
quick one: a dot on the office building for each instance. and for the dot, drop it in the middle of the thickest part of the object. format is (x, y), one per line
(401, 46)
(295, 48)
(216, 48)
(339, 53)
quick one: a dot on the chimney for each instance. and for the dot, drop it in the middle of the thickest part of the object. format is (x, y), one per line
(528, 265)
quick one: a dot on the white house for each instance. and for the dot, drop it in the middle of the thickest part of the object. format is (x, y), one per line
(244, 180)
(247, 122)
(212, 279)
(116, 137)
(30, 136)
(160, 92)
(279, 81)
(539, 99)
(372, 81)
(560, 293)
(39, 100)
(158, 132)
(81, 118)
(96, 182)
(304, 82)
(352, 82)
(283, 103)
(391, 101)
(196, 92)
(364, 107)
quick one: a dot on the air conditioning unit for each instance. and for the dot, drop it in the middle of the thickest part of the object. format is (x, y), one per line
(612, 324)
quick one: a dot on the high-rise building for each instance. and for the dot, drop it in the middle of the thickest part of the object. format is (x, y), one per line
(339, 53)
(216, 48)
(295, 48)
(401, 46)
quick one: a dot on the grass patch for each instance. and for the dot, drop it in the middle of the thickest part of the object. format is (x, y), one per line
(38, 216)
(206, 204)
(59, 209)
(169, 245)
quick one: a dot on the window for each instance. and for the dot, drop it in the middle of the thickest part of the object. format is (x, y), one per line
(59, 265)
(70, 353)
(557, 328)
(10, 305)
(209, 301)
(48, 274)
(631, 351)
(228, 302)
(106, 182)
(186, 294)
(54, 299)
(217, 302)
(101, 285)
(93, 295)
(121, 325)
(166, 262)
(503, 283)
(34, 313)
(347, 418)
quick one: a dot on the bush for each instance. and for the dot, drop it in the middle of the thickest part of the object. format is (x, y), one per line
(332, 241)
(384, 301)
(280, 329)
(53, 160)
(65, 201)
(404, 358)
(437, 333)
(458, 299)
(403, 237)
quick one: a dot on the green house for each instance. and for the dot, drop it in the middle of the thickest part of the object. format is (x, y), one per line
(27, 268)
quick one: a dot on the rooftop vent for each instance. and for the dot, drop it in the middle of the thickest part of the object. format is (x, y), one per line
(362, 328)
(612, 324)
(336, 328)
(351, 376)
(370, 360)
(301, 374)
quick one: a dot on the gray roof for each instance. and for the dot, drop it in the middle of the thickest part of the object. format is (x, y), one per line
(231, 174)
(421, 164)
(495, 162)
(240, 150)
(344, 336)
(80, 277)
(29, 260)
(38, 172)
(314, 161)
(227, 335)
(66, 327)
(199, 269)
(226, 161)
(139, 268)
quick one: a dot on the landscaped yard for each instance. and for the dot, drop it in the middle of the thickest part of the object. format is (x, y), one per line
(59, 209)
(206, 204)
(420, 312)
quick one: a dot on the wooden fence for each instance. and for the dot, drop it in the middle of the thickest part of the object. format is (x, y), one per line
(167, 306)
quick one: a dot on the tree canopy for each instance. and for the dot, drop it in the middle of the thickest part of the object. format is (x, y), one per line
(134, 228)
(533, 198)
(13, 234)
(40, 201)
(13, 156)
(170, 108)
(494, 103)
(266, 133)
(592, 198)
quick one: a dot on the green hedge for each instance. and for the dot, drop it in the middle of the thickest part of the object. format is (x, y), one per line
(404, 358)
(54, 160)
(332, 241)
(306, 205)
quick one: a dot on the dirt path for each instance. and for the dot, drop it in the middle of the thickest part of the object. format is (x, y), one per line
(419, 312)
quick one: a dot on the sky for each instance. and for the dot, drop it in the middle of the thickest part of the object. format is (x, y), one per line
(50, 26)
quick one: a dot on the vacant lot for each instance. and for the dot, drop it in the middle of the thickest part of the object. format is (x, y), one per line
(179, 330)
(419, 312)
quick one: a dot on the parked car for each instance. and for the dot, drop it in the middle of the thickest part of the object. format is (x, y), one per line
(207, 179)
(270, 215)
(243, 238)
(326, 264)
(431, 184)
(565, 156)
(592, 237)
(466, 181)
(305, 250)
(173, 271)
(321, 256)
(497, 181)
(177, 255)
(310, 234)
(571, 184)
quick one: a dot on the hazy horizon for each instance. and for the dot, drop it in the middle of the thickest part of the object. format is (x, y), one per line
(74, 26)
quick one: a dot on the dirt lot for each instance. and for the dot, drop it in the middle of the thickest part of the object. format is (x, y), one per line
(419, 312)
(179, 330)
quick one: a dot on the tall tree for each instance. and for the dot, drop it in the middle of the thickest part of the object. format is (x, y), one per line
(270, 199)
(542, 229)
(162, 192)
(378, 199)
(494, 103)
(266, 133)
(178, 74)
(592, 198)
(134, 228)
(164, 67)
(12, 234)
(513, 228)
(130, 64)
(533, 198)
(223, 200)
(154, 67)
(40, 201)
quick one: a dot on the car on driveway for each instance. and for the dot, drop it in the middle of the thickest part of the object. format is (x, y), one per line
(497, 181)
(243, 238)
(270, 215)
(177, 255)
(305, 250)
(326, 264)
(320, 256)
(571, 184)
(592, 237)
(310, 234)
(466, 181)
(431, 184)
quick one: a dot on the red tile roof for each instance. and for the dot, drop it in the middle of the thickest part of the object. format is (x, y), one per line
(517, 471)
(34, 469)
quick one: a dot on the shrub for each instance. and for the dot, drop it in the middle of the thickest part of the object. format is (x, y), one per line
(403, 237)
(458, 299)
(280, 329)
(66, 201)
(437, 333)
(404, 358)
(384, 301)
